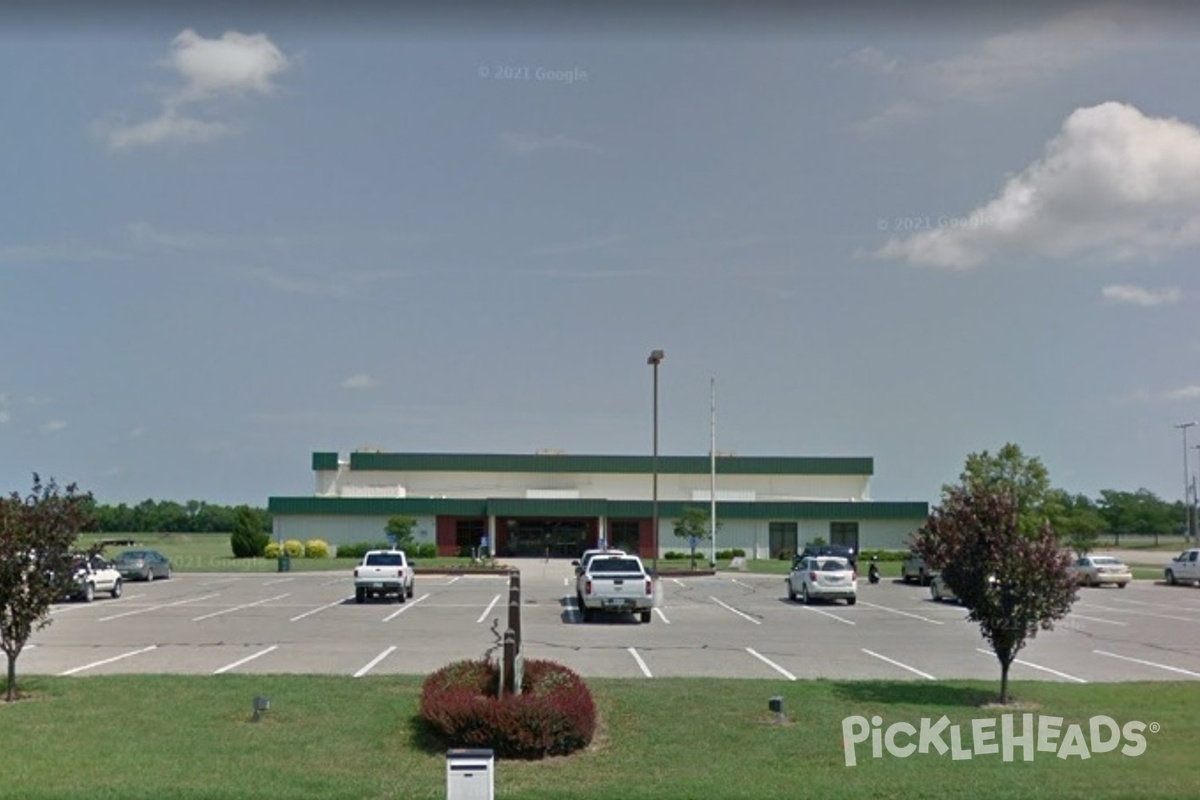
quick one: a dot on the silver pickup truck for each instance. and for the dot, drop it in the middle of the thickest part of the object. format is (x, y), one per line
(614, 584)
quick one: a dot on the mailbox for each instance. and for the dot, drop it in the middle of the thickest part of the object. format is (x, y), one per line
(470, 775)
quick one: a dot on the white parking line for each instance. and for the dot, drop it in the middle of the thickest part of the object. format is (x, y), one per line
(1140, 613)
(1031, 665)
(661, 615)
(454, 580)
(676, 581)
(374, 661)
(913, 670)
(739, 583)
(239, 608)
(1094, 619)
(901, 613)
(488, 610)
(245, 660)
(331, 583)
(278, 580)
(404, 608)
(640, 663)
(1176, 607)
(108, 660)
(156, 608)
(322, 608)
(771, 664)
(827, 614)
(1148, 663)
(734, 610)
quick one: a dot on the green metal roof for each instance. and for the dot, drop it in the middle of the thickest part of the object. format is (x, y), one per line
(592, 507)
(667, 465)
(324, 461)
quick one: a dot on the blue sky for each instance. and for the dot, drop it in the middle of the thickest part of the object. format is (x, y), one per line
(231, 239)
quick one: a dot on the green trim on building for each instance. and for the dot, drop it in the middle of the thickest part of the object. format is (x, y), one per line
(376, 506)
(593, 507)
(667, 465)
(324, 461)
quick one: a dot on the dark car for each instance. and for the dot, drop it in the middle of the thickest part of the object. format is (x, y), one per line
(839, 550)
(144, 565)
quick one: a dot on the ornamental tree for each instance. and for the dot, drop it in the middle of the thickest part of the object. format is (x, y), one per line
(37, 535)
(693, 525)
(1013, 582)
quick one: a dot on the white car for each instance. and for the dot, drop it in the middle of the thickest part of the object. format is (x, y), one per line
(1184, 568)
(1099, 570)
(939, 591)
(913, 569)
(93, 574)
(822, 578)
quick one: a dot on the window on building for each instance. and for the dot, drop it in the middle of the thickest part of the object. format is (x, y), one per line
(468, 533)
(782, 539)
(844, 533)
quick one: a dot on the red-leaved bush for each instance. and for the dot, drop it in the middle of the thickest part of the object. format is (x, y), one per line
(552, 715)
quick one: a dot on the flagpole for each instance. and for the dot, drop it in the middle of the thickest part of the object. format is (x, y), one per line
(712, 489)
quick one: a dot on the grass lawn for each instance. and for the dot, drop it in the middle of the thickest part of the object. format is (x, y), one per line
(211, 552)
(130, 737)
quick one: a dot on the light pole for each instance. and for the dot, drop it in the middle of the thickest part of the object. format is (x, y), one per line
(1187, 483)
(656, 357)
(1195, 498)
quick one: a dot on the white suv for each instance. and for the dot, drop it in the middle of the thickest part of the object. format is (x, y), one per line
(1184, 567)
(823, 578)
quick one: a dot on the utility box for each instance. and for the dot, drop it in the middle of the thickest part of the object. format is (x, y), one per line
(470, 775)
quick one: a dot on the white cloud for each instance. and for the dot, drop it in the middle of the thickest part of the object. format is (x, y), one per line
(1034, 53)
(236, 63)
(359, 381)
(1139, 296)
(872, 59)
(4, 416)
(525, 144)
(167, 127)
(1185, 393)
(138, 432)
(53, 426)
(1114, 184)
(898, 111)
(212, 69)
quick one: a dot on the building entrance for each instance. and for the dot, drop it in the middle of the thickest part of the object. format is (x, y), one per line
(561, 538)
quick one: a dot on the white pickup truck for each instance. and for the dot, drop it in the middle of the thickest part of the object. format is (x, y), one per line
(617, 584)
(1183, 568)
(94, 574)
(383, 572)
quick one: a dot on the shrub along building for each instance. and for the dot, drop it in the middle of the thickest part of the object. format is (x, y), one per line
(524, 505)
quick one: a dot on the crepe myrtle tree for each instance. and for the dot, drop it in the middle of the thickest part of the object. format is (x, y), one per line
(693, 526)
(37, 535)
(1012, 581)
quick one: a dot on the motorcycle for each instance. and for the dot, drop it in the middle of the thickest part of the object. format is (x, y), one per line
(873, 572)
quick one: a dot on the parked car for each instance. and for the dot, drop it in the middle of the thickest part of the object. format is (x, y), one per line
(93, 574)
(142, 565)
(823, 578)
(581, 563)
(939, 591)
(1184, 567)
(913, 568)
(1099, 570)
(839, 550)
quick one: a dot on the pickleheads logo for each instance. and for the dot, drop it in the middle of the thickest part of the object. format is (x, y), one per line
(1101, 734)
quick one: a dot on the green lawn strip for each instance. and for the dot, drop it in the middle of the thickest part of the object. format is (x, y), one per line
(332, 737)
(211, 552)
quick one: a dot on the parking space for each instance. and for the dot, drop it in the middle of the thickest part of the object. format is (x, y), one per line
(714, 626)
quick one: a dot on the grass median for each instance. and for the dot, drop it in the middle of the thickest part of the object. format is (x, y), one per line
(132, 737)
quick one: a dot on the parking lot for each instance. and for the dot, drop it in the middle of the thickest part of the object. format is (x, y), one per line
(730, 626)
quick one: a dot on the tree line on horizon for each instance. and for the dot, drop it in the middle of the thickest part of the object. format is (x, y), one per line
(169, 516)
(1113, 512)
